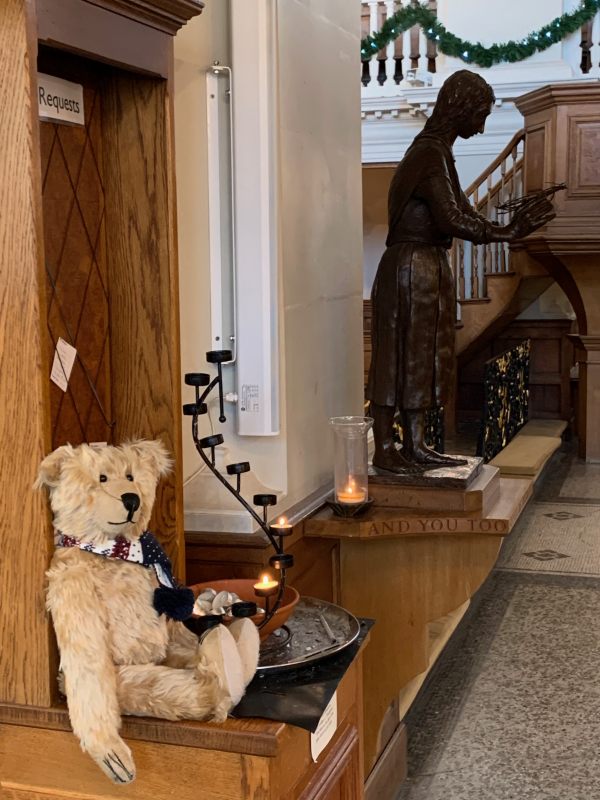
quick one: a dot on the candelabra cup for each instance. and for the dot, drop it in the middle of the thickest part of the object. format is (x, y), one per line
(351, 465)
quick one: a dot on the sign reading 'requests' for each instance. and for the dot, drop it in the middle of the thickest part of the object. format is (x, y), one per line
(59, 100)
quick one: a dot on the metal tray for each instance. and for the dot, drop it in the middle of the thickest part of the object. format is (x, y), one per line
(309, 639)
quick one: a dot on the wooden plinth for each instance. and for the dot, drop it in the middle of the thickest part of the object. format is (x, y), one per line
(414, 570)
(381, 522)
(479, 496)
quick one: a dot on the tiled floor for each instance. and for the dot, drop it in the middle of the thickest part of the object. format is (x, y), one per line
(512, 708)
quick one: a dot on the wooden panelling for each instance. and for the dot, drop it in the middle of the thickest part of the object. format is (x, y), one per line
(142, 274)
(238, 760)
(404, 584)
(584, 169)
(339, 776)
(535, 162)
(549, 378)
(217, 556)
(77, 287)
(26, 660)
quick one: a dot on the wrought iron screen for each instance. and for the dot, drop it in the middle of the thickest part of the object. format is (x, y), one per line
(506, 399)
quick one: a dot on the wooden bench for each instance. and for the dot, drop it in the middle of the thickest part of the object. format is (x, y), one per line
(528, 453)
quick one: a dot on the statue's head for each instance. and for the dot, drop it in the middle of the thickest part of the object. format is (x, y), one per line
(463, 104)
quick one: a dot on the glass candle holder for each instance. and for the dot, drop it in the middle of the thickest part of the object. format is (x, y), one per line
(351, 459)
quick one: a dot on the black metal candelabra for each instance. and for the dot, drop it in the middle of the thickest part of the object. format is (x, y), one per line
(281, 561)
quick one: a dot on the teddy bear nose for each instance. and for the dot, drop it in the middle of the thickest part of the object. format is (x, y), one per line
(131, 501)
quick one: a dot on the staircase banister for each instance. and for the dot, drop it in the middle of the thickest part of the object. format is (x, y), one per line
(496, 188)
(516, 139)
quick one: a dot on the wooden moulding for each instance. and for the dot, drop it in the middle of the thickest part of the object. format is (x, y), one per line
(165, 15)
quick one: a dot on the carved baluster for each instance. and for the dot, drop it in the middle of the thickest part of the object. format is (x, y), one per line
(422, 54)
(595, 48)
(488, 264)
(474, 271)
(586, 45)
(431, 46)
(406, 48)
(460, 260)
(373, 26)
(366, 73)
(390, 8)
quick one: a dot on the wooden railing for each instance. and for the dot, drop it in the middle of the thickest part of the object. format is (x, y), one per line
(500, 182)
(406, 59)
(410, 58)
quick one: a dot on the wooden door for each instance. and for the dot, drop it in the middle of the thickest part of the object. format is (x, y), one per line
(77, 287)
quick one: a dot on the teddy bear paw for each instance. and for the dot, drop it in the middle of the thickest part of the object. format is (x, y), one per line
(117, 763)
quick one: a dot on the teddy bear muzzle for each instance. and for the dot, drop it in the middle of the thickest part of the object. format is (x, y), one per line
(131, 501)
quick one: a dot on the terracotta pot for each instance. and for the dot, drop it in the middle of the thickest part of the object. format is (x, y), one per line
(244, 588)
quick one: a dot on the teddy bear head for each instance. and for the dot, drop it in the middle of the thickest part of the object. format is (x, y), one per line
(103, 492)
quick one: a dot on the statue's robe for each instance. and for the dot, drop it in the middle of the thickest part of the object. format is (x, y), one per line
(413, 297)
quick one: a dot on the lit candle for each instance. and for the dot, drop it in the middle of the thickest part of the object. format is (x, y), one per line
(282, 527)
(352, 493)
(265, 587)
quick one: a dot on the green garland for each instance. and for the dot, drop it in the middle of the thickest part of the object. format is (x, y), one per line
(469, 52)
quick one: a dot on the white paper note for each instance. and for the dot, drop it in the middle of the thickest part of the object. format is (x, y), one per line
(325, 729)
(64, 358)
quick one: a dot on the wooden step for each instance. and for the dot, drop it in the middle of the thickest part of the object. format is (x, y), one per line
(384, 523)
(480, 496)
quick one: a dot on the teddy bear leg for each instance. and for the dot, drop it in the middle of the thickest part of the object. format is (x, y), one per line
(245, 633)
(219, 649)
(116, 762)
(183, 650)
(170, 693)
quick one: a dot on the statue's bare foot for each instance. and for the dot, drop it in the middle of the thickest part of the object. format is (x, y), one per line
(394, 461)
(428, 458)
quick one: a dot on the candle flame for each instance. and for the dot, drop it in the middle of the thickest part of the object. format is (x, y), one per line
(265, 580)
(282, 521)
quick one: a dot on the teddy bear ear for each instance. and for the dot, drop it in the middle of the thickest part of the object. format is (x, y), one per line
(154, 453)
(49, 470)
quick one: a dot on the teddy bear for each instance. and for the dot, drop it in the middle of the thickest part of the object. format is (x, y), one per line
(109, 589)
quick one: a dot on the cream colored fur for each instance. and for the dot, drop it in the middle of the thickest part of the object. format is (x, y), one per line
(117, 655)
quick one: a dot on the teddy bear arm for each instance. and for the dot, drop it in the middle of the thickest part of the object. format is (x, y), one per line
(89, 673)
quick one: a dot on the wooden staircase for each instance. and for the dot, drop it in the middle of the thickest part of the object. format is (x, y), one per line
(494, 282)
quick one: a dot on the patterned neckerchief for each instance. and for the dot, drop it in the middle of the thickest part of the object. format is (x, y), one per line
(146, 552)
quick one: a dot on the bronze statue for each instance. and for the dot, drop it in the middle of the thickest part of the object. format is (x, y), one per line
(413, 297)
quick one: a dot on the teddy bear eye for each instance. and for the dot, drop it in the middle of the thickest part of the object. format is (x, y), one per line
(103, 478)
(129, 477)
